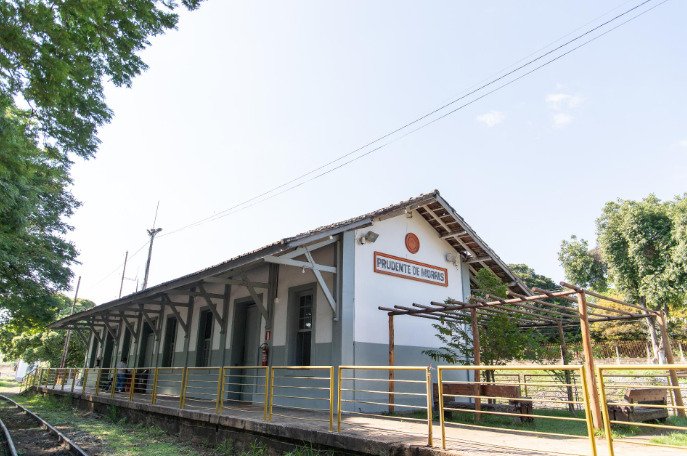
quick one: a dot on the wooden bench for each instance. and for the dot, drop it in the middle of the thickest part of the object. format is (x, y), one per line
(637, 413)
(516, 403)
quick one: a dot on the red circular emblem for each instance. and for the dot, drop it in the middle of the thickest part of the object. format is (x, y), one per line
(412, 243)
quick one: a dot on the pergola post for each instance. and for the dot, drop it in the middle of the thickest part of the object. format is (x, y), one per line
(391, 363)
(477, 359)
(589, 360)
(564, 361)
(665, 337)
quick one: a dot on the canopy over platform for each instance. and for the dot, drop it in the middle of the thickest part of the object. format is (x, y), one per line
(543, 309)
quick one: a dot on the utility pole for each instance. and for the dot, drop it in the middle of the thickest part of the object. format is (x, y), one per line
(65, 349)
(121, 284)
(151, 232)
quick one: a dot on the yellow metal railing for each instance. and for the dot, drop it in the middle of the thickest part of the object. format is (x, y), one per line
(481, 399)
(616, 393)
(501, 396)
(244, 388)
(304, 389)
(409, 391)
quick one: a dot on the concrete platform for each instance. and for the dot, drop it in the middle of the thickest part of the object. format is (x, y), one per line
(359, 434)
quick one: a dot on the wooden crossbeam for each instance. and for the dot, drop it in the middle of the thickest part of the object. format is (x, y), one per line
(213, 308)
(256, 299)
(148, 320)
(129, 326)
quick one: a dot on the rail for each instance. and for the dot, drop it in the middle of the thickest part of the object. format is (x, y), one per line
(651, 411)
(512, 398)
(298, 391)
(408, 393)
(474, 402)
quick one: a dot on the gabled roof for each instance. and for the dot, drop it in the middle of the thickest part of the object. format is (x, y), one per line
(431, 206)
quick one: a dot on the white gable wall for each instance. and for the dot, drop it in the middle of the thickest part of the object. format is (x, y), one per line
(373, 289)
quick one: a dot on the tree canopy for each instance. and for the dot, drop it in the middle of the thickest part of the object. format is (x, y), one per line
(641, 252)
(38, 343)
(640, 255)
(55, 58)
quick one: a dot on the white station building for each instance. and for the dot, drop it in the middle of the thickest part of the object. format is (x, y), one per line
(310, 299)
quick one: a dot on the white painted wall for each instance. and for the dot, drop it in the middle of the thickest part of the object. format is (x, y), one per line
(290, 277)
(374, 289)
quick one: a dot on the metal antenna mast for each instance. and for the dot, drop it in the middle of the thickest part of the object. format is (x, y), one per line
(151, 232)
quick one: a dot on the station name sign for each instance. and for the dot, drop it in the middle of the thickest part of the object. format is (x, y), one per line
(409, 269)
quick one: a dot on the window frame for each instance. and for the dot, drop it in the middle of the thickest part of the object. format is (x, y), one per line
(201, 340)
(293, 320)
(169, 342)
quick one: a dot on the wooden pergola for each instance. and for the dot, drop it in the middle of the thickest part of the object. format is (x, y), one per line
(540, 310)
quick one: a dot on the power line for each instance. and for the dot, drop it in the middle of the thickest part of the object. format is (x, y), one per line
(288, 184)
(327, 168)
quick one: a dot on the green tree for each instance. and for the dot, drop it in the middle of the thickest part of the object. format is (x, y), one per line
(583, 266)
(642, 254)
(54, 59)
(36, 342)
(501, 339)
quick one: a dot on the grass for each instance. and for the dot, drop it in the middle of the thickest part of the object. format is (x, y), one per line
(120, 438)
(117, 436)
(575, 428)
(7, 385)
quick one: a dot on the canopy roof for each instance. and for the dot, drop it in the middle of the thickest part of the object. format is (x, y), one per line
(539, 310)
(431, 206)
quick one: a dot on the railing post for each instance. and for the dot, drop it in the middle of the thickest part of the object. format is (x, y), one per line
(74, 371)
(132, 385)
(97, 381)
(182, 393)
(338, 399)
(265, 401)
(587, 410)
(271, 392)
(604, 411)
(428, 377)
(220, 393)
(84, 380)
(153, 393)
(440, 388)
(113, 383)
(331, 398)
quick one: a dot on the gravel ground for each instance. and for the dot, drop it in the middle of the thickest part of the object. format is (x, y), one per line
(29, 438)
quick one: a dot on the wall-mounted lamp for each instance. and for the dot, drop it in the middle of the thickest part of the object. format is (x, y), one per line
(368, 238)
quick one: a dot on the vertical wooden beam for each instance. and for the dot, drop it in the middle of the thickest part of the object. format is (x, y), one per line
(225, 320)
(158, 336)
(589, 360)
(189, 323)
(665, 337)
(391, 363)
(477, 360)
(137, 340)
(564, 361)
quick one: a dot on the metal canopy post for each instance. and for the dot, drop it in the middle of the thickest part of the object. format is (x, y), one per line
(392, 344)
(477, 359)
(564, 361)
(589, 360)
(674, 382)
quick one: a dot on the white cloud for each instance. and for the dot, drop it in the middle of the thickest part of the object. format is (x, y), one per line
(561, 100)
(682, 143)
(491, 118)
(561, 119)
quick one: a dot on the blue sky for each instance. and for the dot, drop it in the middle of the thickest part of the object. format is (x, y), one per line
(245, 95)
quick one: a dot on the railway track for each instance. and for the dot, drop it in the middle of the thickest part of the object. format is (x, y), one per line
(24, 433)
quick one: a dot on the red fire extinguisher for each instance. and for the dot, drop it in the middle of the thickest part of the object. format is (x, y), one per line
(264, 354)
